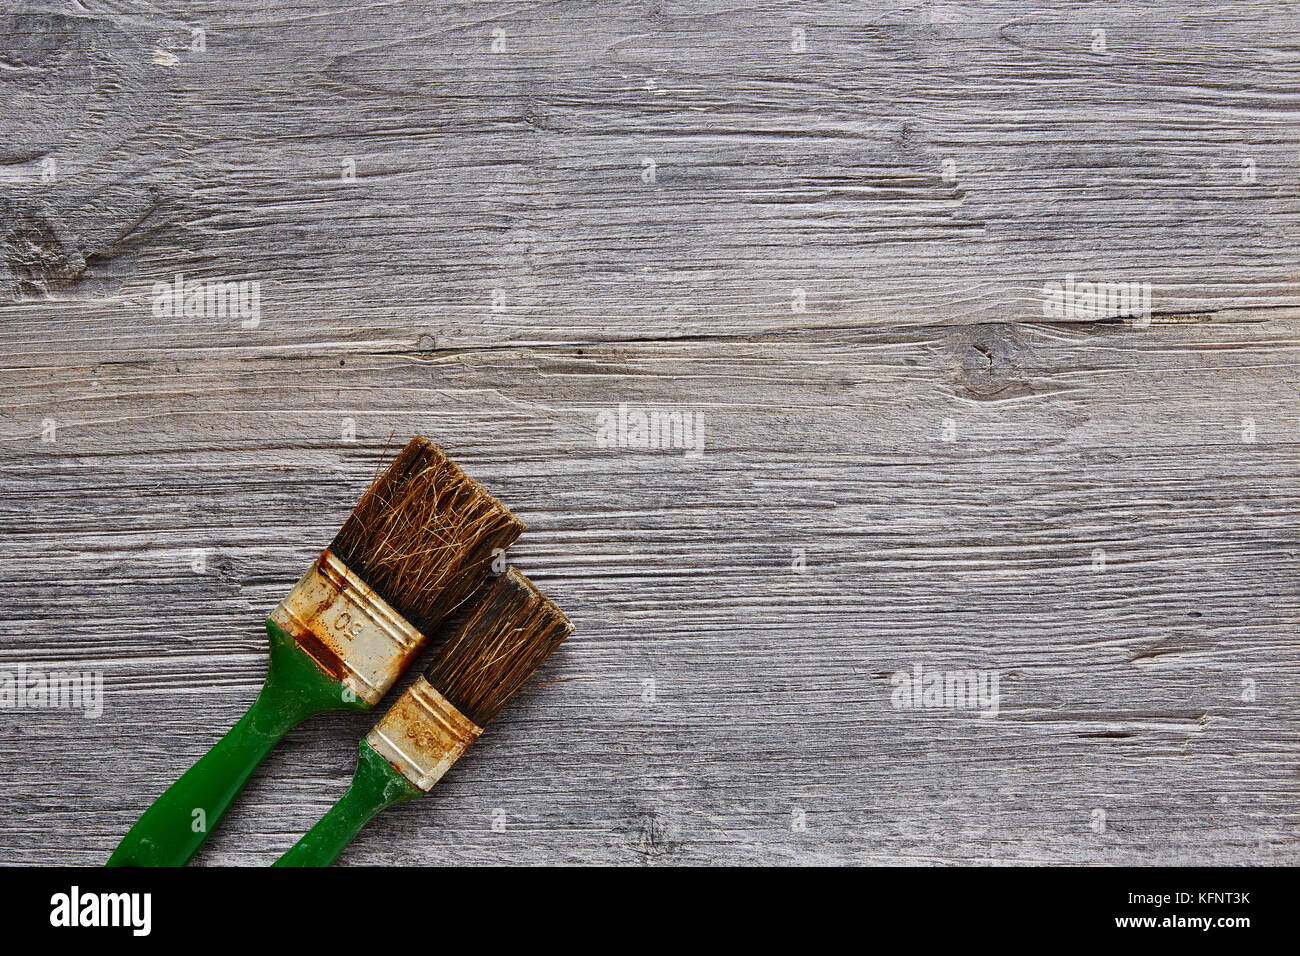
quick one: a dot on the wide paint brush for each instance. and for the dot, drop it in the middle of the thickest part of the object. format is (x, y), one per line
(420, 541)
(505, 637)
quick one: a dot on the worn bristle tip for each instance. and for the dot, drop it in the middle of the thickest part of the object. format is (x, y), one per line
(504, 639)
(424, 533)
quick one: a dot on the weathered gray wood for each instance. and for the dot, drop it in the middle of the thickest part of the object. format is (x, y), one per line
(1104, 514)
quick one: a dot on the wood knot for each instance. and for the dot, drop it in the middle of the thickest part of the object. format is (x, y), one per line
(36, 250)
(653, 839)
(986, 362)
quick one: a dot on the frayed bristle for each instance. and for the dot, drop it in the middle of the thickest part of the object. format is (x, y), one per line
(423, 534)
(510, 631)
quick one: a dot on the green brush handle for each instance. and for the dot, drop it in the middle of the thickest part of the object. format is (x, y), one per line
(375, 785)
(172, 830)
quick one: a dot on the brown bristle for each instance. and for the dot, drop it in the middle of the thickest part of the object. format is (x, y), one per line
(511, 629)
(423, 534)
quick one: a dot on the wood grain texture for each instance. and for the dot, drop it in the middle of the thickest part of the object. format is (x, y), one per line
(1104, 514)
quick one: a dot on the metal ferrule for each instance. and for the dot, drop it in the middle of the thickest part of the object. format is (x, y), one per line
(422, 735)
(348, 629)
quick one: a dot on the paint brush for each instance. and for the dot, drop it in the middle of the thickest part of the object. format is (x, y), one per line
(504, 638)
(419, 542)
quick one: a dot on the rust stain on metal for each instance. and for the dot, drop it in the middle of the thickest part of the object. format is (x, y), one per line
(320, 652)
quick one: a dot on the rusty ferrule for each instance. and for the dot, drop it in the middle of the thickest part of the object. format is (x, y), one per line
(348, 629)
(422, 735)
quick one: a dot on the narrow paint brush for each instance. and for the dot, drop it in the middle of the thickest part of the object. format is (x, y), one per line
(419, 542)
(503, 640)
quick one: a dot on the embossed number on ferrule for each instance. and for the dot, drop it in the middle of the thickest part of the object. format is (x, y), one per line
(422, 735)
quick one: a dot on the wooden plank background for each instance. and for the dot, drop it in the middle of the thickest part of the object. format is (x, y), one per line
(825, 227)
